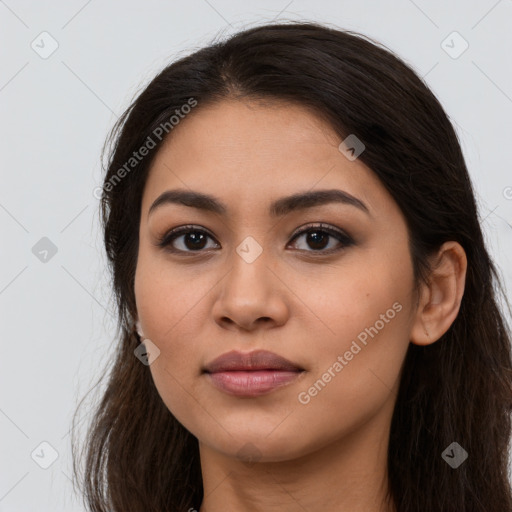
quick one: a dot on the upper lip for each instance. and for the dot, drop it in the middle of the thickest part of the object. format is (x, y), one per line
(256, 360)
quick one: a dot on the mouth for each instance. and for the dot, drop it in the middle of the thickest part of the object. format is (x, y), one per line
(251, 374)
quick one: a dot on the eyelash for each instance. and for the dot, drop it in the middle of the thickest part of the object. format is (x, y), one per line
(164, 242)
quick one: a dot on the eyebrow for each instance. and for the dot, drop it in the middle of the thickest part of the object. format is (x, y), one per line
(278, 208)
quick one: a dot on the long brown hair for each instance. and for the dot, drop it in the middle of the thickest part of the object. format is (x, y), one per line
(137, 456)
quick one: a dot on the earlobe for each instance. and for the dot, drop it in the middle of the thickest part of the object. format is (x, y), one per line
(139, 329)
(440, 300)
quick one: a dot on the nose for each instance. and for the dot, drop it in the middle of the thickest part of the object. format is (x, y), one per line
(251, 296)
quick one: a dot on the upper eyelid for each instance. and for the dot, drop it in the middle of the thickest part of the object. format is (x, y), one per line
(304, 227)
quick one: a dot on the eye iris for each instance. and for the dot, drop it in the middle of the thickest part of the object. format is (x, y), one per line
(313, 239)
(196, 238)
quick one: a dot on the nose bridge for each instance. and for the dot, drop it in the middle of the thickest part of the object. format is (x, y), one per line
(250, 290)
(248, 277)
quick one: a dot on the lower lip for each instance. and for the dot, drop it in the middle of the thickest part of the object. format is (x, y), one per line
(252, 383)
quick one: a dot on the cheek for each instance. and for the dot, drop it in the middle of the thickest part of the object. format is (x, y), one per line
(356, 373)
(348, 300)
(169, 303)
(165, 296)
(363, 325)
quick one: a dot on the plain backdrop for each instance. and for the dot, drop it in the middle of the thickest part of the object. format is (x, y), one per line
(68, 70)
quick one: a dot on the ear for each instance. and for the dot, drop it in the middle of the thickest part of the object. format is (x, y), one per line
(439, 301)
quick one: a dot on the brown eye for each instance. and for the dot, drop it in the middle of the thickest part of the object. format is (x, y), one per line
(319, 237)
(190, 239)
(193, 240)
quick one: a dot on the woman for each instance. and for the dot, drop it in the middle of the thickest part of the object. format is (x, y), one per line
(308, 317)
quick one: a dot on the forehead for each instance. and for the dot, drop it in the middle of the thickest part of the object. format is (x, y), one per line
(249, 152)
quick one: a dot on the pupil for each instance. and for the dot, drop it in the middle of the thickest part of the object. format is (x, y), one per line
(194, 238)
(313, 239)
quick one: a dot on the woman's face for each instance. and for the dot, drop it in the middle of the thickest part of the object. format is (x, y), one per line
(340, 309)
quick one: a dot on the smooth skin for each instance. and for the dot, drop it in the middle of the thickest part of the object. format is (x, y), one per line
(294, 299)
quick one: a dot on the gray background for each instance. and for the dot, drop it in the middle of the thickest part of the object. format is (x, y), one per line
(56, 309)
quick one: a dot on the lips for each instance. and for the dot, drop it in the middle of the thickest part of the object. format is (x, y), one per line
(251, 361)
(251, 374)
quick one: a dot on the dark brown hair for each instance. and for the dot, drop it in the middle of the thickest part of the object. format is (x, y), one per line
(138, 457)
